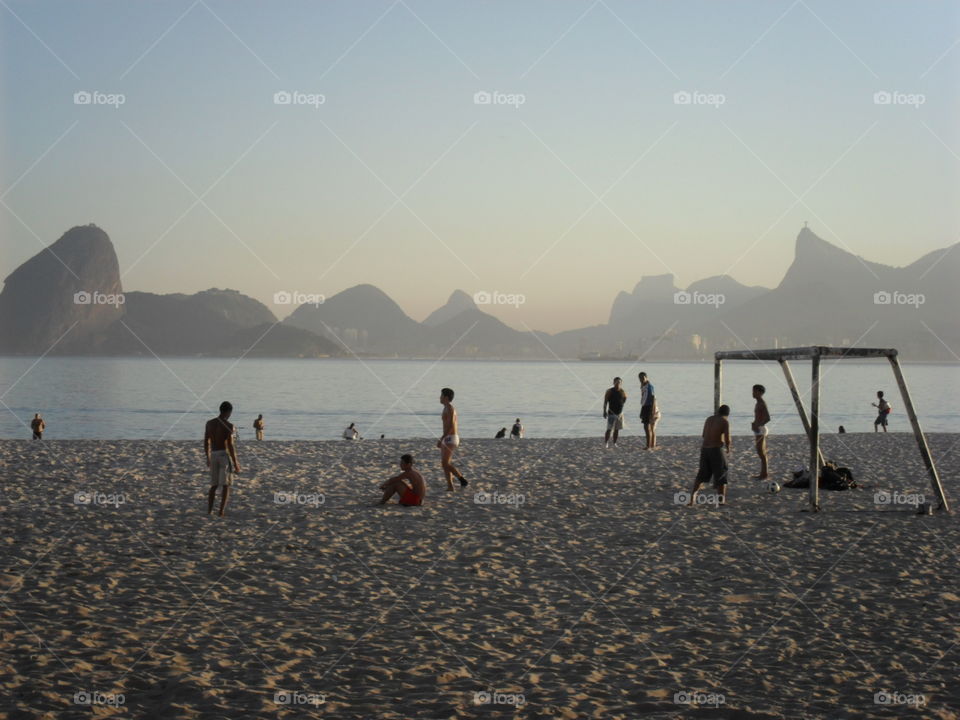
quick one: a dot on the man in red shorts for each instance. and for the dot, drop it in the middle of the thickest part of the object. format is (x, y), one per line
(408, 485)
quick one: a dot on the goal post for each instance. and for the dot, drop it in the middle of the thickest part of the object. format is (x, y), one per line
(811, 423)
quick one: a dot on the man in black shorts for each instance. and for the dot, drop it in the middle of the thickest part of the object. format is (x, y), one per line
(713, 463)
(613, 402)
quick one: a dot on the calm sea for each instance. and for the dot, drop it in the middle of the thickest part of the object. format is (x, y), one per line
(315, 399)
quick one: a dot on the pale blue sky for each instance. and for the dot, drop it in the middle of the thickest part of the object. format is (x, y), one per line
(500, 205)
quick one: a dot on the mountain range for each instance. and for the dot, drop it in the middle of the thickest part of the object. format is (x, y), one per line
(68, 299)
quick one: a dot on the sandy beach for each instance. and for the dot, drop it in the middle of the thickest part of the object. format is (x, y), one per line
(573, 586)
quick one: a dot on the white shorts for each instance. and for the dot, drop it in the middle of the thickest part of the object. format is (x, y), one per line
(221, 469)
(451, 441)
(762, 432)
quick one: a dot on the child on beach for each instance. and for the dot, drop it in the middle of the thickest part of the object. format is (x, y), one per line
(761, 416)
(883, 409)
(408, 485)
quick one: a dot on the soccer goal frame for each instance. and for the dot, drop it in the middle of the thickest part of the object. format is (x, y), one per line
(811, 424)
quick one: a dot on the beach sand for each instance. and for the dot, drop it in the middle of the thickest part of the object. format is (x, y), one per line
(582, 590)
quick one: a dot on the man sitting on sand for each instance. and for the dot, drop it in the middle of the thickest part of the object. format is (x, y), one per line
(613, 401)
(761, 416)
(37, 425)
(351, 433)
(450, 440)
(713, 464)
(408, 485)
(258, 425)
(501, 434)
(221, 452)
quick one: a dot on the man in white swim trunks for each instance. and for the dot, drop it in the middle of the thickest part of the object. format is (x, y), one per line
(450, 440)
(220, 450)
(761, 416)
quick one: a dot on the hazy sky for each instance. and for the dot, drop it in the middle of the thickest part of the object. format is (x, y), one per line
(492, 196)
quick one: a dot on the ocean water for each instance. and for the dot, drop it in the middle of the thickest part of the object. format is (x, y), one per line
(315, 399)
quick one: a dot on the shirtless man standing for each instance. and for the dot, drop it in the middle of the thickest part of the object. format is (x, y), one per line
(221, 452)
(408, 485)
(450, 440)
(713, 464)
(258, 425)
(761, 416)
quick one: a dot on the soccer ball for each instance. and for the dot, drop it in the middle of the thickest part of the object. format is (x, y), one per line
(773, 486)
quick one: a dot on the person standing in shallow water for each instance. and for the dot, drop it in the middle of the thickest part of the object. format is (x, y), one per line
(450, 440)
(221, 454)
(37, 425)
(258, 425)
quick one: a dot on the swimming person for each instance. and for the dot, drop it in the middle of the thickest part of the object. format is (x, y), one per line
(613, 401)
(220, 450)
(761, 416)
(408, 485)
(450, 440)
(713, 463)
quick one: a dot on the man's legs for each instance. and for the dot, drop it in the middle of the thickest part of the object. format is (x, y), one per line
(211, 496)
(390, 487)
(761, 443)
(449, 469)
(223, 498)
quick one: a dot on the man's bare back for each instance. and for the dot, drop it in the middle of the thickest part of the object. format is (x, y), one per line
(217, 432)
(715, 429)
